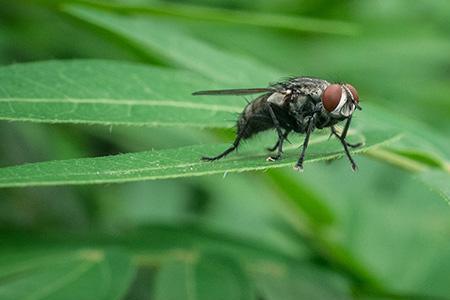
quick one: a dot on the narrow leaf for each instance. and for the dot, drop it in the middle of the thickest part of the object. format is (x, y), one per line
(438, 181)
(181, 162)
(63, 274)
(207, 276)
(299, 281)
(313, 205)
(110, 93)
(252, 18)
(174, 45)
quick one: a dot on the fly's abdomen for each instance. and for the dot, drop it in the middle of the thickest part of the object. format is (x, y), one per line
(255, 118)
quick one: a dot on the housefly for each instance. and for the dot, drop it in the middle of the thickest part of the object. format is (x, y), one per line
(298, 104)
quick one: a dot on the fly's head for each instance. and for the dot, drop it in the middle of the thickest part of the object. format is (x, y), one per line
(340, 100)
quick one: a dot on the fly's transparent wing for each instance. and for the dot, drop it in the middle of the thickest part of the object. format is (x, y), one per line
(234, 92)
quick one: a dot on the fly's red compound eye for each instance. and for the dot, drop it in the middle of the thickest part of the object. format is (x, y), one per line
(331, 97)
(353, 91)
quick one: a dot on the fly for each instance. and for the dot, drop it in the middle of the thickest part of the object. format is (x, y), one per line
(299, 104)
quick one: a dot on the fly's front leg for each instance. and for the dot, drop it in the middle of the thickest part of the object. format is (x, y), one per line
(310, 127)
(344, 134)
(281, 136)
(346, 144)
(334, 132)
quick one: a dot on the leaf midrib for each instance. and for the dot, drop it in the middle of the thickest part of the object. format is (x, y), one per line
(175, 166)
(141, 102)
(194, 173)
(63, 281)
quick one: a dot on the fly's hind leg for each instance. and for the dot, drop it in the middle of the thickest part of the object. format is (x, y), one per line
(271, 149)
(231, 148)
(345, 143)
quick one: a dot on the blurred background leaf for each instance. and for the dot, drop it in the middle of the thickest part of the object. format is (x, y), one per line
(69, 274)
(378, 234)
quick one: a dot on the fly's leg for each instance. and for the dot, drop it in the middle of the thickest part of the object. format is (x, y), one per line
(334, 132)
(281, 136)
(279, 144)
(344, 134)
(231, 148)
(285, 135)
(346, 144)
(271, 149)
(299, 165)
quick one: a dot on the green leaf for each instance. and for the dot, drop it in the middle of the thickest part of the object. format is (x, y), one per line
(173, 45)
(64, 274)
(199, 262)
(319, 214)
(159, 243)
(110, 93)
(170, 163)
(438, 181)
(206, 277)
(421, 157)
(407, 251)
(299, 281)
(240, 17)
(259, 218)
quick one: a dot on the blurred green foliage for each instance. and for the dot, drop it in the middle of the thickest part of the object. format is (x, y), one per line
(382, 233)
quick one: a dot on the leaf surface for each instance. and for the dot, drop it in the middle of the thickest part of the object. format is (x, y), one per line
(110, 93)
(438, 181)
(205, 277)
(239, 17)
(299, 281)
(172, 44)
(172, 163)
(64, 274)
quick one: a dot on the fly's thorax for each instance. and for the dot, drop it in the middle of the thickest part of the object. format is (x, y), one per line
(277, 98)
(307, 85)
(300, 104)
(298, 90)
